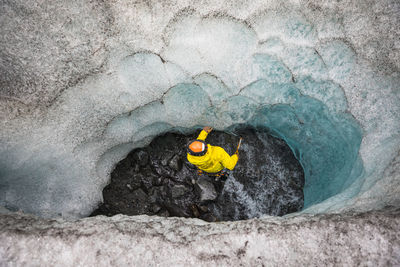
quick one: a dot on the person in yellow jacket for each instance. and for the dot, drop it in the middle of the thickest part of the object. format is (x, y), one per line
(208, 158)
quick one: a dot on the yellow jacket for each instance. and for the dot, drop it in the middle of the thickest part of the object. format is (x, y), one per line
(215, 159)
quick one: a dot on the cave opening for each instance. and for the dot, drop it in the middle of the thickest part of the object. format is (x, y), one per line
(159, 180)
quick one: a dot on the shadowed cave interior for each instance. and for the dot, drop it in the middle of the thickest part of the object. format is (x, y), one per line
(158, 180)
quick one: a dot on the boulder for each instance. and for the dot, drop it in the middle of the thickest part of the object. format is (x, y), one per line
(206, 190)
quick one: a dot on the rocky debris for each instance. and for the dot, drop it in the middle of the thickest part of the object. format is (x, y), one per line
(147, 182)
(177, 211)
(158, 180)
(139, 195)
(157, 193)
(195, 211)
(155, 208)
(129, 187)
(203, 208)
(141, 157)
(175, 163)
(206, 190)
(179, 190)
(208, 217)
(163, 213)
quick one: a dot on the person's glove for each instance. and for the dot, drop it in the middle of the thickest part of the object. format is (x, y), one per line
(207, 129)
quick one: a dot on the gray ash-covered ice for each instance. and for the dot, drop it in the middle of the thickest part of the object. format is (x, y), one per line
(324, 239)
(82, 84)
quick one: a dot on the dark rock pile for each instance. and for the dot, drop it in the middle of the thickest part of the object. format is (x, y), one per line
(158, 180)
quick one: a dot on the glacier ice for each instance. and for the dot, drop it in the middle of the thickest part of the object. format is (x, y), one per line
(82, 83)
(291, 69)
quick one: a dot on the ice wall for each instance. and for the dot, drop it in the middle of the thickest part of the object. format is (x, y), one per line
(308, 71)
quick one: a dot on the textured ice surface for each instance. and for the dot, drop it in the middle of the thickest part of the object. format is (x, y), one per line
(319, 240)
(307, 71)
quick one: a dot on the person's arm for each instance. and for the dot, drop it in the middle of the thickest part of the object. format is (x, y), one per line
(229, 162)
(203, 134)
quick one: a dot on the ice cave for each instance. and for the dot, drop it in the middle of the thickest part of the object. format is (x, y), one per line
(84, 83)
